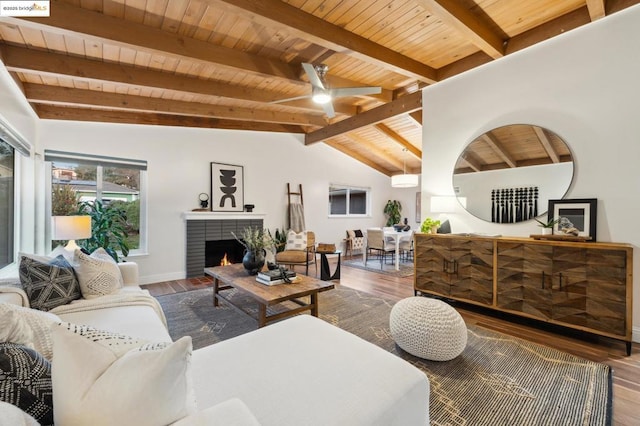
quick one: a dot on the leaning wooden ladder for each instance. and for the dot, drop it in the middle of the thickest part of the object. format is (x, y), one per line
(289, 194)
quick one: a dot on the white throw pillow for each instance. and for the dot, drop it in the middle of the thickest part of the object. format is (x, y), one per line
(28, 327)
(296, 240)
(12, 415)
(98, 274)
(111, 379)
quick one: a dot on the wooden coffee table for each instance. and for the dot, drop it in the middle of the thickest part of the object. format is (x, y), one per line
(235, 276)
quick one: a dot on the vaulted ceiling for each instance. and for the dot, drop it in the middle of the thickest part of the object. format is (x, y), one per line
(223, 63)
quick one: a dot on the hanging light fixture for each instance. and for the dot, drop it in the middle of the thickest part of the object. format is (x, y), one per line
(404, 180)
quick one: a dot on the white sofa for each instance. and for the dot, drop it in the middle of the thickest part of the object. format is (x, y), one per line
(301, 371)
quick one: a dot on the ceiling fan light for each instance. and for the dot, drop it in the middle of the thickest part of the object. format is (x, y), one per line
(321, 97)
(404, 181)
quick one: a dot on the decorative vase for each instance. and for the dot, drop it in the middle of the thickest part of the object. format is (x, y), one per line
(253, 261)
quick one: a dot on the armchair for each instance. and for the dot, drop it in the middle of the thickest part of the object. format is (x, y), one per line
(353, 242)
(300, 250)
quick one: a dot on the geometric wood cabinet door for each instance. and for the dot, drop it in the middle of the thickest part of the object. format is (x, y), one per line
(453, 266)
(581, 285)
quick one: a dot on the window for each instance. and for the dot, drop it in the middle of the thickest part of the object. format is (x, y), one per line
(118, 182)
(348, 201)
(7, 163)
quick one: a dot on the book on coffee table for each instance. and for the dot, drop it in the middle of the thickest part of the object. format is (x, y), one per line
(278, 281)
(276, 274)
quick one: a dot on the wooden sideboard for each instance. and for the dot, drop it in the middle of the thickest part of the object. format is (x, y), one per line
(586, 286)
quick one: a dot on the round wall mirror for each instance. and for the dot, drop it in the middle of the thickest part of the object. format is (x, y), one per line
(510, 173)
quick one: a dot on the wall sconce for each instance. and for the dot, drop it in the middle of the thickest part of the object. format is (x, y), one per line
(71, 228)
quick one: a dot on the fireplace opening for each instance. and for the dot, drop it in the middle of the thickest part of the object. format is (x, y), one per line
(215, 252)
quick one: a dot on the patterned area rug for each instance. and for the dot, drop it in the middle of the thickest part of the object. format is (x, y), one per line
(373, 265)
(497, 380)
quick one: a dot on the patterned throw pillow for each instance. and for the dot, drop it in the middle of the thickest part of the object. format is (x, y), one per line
(358, 233)
(107, 389)
(28, 327)
(296, 240)
(26, 381)
(98, 273)
(48, 284)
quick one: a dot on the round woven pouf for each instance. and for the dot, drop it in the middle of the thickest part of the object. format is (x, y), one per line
(428, 328)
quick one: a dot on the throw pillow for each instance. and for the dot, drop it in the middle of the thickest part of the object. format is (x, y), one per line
(98, 273)
(109, 379)
(26, 381)
(12, 415)
(358, 233)
(296, 240)
(48, 284)
(27, 327)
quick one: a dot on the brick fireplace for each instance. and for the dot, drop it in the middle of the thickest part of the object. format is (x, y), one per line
(209, 234)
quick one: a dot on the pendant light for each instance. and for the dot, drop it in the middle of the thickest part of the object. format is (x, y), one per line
(404, 180)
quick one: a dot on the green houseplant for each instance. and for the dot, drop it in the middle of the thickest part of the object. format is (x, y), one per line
(429, 226)
(108, 228)
(547, 227)
(393, 210)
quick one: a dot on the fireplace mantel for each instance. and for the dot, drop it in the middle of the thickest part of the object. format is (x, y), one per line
(221, 215)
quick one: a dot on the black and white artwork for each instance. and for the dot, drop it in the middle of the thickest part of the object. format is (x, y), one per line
(575, 217)
(227, 188)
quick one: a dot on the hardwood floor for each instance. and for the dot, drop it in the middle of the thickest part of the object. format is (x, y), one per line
(626, 370)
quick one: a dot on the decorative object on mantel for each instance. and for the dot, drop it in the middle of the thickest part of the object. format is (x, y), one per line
(551, 237)
(249, 207)
(204, 201)
(576, 217)
(255, 242)
(227, 188)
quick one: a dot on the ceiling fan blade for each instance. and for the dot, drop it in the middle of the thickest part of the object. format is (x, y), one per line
(328, 109)
(355, 91)
(281, 101)
(314, 78)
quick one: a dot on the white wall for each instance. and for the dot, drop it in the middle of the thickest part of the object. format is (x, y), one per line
(583, 86)
(178, 171)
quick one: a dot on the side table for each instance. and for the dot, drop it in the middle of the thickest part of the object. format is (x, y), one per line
(325, 273)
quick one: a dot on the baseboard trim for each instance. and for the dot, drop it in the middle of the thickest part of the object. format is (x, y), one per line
(152, 279)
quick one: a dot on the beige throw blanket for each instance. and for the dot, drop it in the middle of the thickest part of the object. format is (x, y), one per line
(124, 298)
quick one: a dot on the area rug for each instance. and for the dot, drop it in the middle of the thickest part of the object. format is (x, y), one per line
(373, 265)
(497, 380)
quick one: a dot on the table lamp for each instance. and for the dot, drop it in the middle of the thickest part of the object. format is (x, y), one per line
(71, 228)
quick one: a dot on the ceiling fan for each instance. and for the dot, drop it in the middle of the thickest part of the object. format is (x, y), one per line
(322, 94)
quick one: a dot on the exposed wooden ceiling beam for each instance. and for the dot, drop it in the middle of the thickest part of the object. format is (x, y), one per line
(416, 116)
(405, 104)
(82, 114)
(452, 13)
(495, 145)
(372, 148)
(359, 157)
(472, 161)
(388, 131)
(67, 19)
(308, 27)
(40, 93)
(546, 143)
(29, 61)
(596, 9)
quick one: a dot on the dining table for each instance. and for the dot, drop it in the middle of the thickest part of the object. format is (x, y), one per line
(397, 237)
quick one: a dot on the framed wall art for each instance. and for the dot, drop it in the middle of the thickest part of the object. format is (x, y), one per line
(572, 215)
(227, 188)
(418, 206)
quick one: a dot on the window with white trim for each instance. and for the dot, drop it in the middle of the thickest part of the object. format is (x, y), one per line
(7, 202)
(348, 201)
(121, 182)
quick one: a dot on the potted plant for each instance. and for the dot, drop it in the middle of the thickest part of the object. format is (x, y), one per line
(108, 228)
(392, 210)
(430, 226)
(547, 227)
(255, 242)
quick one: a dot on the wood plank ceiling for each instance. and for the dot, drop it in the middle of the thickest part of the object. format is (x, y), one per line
(220, 63)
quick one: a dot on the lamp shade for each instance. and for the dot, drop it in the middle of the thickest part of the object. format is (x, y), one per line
(71, 227)
(404, 181)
